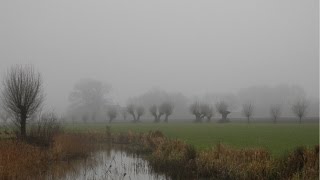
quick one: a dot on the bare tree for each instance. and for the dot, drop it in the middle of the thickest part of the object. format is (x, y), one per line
(222, 108)
(154, 110)
(131, 110)
(166, 108)
(91, 95)
(201, 110)
(140, 112)
(275, 111)
(22, 94)
(207, 111)
(195, 109)
(299, 108)
(112, 113)
(247, 110)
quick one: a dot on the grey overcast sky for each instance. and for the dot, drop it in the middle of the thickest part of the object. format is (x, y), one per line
(187, 46)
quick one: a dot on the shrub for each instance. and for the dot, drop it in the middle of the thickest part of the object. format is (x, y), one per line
(43, 131)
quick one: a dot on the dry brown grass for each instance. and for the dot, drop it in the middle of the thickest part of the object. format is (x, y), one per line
(69, 146)
(20, 160)
(226, 163)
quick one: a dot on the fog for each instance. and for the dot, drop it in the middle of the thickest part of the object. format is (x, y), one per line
(197, 49)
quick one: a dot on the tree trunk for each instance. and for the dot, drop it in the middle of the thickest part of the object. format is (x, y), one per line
(224, 117)
(248, 120)
(23, 122)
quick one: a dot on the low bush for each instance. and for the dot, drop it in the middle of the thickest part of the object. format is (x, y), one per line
(44, 129)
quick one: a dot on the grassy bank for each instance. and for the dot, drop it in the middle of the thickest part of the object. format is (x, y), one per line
(276, 138)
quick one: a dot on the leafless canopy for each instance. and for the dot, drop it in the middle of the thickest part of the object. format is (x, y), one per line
(275, 112)
(299, 108)
(247, 110)
(22, 94)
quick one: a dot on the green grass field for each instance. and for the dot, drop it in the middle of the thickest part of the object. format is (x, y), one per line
(277, 138)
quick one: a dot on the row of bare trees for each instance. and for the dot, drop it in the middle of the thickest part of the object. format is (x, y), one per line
(299, 109)
(22, 96)
(136, 111)
(205, 110)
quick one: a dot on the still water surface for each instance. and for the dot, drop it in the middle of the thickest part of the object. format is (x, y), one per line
(107, 164)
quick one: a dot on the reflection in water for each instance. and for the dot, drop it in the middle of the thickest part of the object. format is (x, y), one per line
(106, 164)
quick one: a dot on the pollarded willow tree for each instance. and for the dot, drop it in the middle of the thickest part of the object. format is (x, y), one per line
(202, 110)
(155, 112)
(131, 110)
(222, 108)
(22, 94)
(135, 111)
(166, 108)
